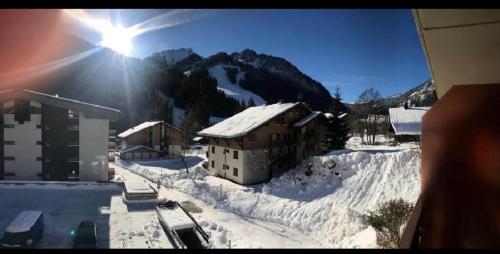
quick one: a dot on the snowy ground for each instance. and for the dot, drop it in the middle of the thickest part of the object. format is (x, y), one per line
(294, 210)
(322, 210)
(118, 225)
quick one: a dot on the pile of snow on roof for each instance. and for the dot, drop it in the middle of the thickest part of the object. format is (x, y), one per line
(23, 221)
(137, 128)
(407, 121)
(246, 121)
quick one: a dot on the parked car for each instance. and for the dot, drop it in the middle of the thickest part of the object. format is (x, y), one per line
(25, 230)
(85, 236)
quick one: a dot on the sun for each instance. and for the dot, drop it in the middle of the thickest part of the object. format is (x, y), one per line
(117, 38)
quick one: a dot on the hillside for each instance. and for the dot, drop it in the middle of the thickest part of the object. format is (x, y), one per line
(175, 81)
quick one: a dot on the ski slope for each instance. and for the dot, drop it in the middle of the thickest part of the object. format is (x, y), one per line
(231, 89)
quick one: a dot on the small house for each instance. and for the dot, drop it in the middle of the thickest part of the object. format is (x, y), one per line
(155, 135)
(406, 122)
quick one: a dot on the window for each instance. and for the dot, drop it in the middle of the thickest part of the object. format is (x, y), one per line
(235, 155)
(38, 126)
(278, 136)
(283, 136)
(9, 110)
(35, 110)
(39, 174)
(224, 166)
(213, 149)
(38, 158)
(39, 142)
(213, 164)
(235, 172)
(9, 158)
(273, 136)
(8, 125)
(9, 142)
(9, 174)
(72, 114)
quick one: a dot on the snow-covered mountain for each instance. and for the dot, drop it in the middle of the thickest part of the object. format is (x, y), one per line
(246, 74)
(172, 56)
(421, 95)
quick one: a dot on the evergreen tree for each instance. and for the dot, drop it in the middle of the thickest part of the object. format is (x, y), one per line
(337, 132)
(251, 103)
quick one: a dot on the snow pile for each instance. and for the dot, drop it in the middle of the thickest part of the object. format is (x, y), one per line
(233, 89)
(326, 203)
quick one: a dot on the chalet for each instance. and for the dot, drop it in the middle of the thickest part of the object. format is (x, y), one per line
(46, 137)
(259, 142)
(406, 122)
(149, 140)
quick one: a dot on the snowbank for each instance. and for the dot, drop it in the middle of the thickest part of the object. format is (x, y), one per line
(328, 204)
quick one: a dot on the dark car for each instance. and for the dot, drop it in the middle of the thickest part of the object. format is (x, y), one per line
(25, 230)
(85, 236)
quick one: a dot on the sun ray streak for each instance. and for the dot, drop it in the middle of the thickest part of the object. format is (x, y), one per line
(50, 66)
(167, 20)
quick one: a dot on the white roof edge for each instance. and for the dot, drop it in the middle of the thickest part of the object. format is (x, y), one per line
(307, 119)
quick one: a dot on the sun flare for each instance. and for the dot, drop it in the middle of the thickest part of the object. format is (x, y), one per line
(118, 39)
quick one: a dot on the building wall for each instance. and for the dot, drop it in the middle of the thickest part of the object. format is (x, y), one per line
(174, 138)
(25, 150)
(93, 150)
(268, 150)
(255, 166)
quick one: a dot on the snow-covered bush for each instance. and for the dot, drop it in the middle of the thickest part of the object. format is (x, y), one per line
(388, 220)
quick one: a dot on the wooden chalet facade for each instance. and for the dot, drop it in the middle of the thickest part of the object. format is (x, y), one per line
(266, 146)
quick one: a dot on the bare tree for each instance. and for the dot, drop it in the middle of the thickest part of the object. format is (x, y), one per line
(369, 109)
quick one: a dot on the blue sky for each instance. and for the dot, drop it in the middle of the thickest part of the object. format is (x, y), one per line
(354, 49)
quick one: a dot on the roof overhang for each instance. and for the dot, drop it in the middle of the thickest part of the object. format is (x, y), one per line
(461, 46)
(90, 110)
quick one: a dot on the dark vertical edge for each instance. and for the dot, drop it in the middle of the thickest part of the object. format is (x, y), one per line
(2, 170)
(44, 139)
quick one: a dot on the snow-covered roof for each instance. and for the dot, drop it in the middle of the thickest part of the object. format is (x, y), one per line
(143, 126)
(196, 139)
(246, 121)
(133, 148)
(174, 217)
(138, 128)
(138, 188)
(23, 222)
(407, 121)
(307, 119)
